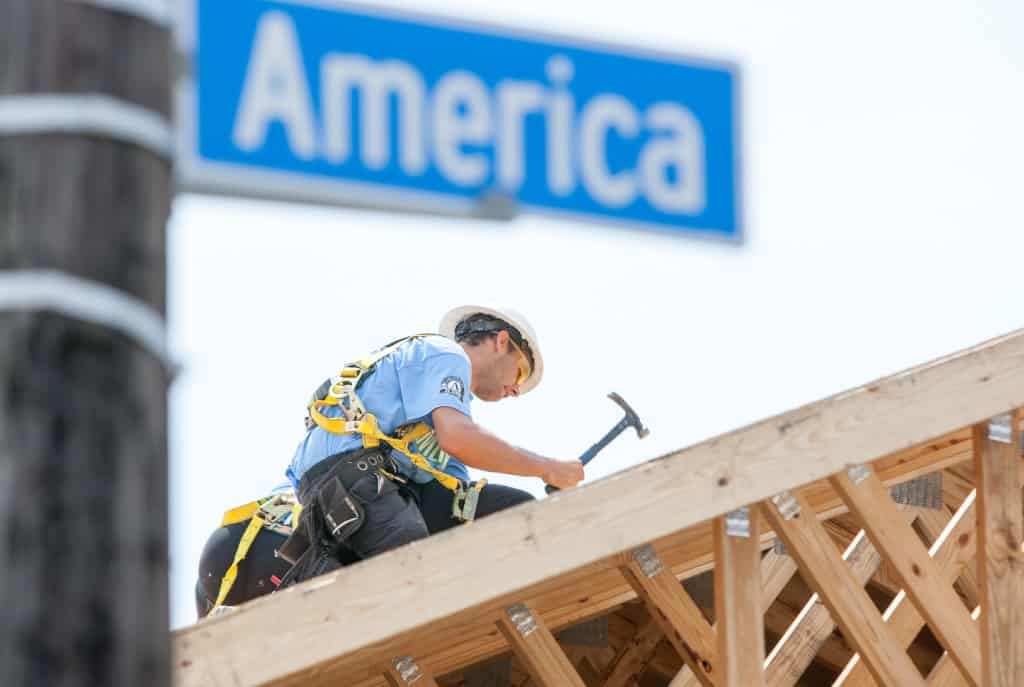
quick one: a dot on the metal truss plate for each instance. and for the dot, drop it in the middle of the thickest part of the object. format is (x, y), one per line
(522, 618)
(858, 473)
(407, 669)
(648, 560)
(737, 523)
(999, 429)
(787, 504)
(923, 492)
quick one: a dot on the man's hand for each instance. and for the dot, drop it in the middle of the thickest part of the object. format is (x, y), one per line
(563, 473)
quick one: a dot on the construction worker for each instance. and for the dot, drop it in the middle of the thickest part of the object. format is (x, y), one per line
(384, 460)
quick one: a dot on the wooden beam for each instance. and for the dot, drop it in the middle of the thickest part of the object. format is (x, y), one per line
(829, 576)
(832, 653)
(814, 625)
(404, 671)
(945, 672)
(674, 611)
(917, 573)
(537, 648)
(776, 572)
(952, 551)
(1000, 563)
(934, 523)
(631, 661)
(738, 615)
(656, 498)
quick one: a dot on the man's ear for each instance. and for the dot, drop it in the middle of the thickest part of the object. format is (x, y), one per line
(501, 341)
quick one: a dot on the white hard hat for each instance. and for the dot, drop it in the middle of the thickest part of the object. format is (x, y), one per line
(514, 318)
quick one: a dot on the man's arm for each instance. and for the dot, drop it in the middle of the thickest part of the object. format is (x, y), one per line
(459, 436)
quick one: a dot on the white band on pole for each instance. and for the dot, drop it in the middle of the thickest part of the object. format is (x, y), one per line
(94, 114)
(155, 11)
(86, 300)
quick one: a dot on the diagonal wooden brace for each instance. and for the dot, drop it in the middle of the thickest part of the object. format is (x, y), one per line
(830, 576)
(537, 648)
(673, 609)
(915, 570)
(813, 626)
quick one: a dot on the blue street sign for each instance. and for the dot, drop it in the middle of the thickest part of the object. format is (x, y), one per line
(330, 102)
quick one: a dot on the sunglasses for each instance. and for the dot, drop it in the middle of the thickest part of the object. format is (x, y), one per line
(524, 363)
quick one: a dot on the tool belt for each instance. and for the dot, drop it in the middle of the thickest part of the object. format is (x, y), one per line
(349, 467)
(330, 514)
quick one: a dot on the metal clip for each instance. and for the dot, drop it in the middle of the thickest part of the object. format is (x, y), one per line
(999, 429)
(521, 617)
(858, 473)
(737, 522)
(647, 558)
(779, 547)
(407, 669)
(787, 504)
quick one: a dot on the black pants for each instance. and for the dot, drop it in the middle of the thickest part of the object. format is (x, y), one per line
(255, 572)
(436, 503)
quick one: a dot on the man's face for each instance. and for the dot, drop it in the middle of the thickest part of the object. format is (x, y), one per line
(503, 370)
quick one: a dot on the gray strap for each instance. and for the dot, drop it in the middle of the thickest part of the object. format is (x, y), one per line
(90, 114)
(90, 301)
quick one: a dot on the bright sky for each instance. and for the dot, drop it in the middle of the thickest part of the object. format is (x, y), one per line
(881, 183)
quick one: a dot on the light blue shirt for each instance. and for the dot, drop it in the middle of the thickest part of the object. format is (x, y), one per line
(419, 376)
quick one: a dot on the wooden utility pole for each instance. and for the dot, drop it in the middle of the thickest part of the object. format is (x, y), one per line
(85, 182)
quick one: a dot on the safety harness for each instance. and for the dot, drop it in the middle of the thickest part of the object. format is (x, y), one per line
(275, 513)
(340, 392)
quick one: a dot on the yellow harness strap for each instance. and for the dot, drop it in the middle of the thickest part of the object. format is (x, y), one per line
(372, 436)
(255, 524)
(240, 514)
(262, 513)
(357, 421)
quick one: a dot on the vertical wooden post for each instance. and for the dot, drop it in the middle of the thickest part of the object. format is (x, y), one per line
(740, 622)
(83, 445)
(1000, 564)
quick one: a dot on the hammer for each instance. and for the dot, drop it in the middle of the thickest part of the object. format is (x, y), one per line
(631, 419)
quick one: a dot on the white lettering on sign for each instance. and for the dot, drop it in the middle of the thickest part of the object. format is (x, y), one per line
(276, 89)
(376, 83)
(462, 115)
(467, 132)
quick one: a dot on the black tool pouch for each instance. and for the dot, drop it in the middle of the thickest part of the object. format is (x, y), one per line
(296, 544)
(342, 514)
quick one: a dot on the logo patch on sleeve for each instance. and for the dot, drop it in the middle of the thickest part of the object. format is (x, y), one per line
(455, 387)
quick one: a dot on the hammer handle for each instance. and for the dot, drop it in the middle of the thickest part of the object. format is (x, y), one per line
(589, 454)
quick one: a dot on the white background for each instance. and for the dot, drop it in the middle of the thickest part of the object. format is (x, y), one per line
(881, 179)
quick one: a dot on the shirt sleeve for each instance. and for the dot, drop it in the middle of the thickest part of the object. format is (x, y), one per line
(440, 381)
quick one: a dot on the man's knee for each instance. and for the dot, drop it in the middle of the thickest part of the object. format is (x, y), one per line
(498, 497)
